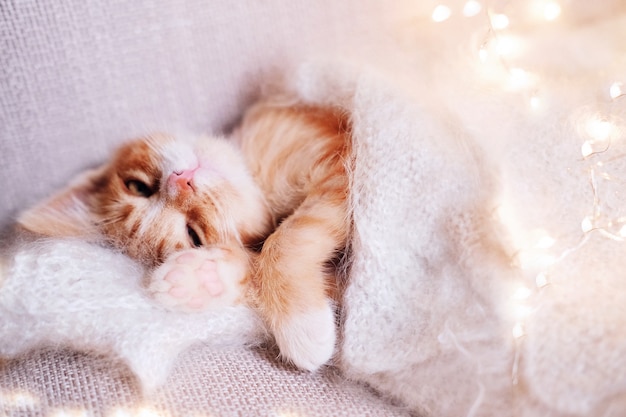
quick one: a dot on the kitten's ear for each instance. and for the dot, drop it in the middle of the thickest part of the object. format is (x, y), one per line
(67, 213)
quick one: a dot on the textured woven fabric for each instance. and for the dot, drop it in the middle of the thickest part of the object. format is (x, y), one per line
(206, 382)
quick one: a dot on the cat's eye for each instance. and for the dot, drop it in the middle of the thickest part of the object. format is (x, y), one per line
(139, 188)
(193, 235)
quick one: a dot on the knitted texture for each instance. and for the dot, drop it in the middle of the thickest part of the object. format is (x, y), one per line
(74, 294)
(473, 289)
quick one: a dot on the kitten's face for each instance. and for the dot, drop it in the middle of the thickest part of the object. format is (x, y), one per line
(160, 194)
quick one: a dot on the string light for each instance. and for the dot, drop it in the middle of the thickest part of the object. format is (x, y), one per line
(535, 102)
(472, 8)
(499, 21)
(541, 280)
(483, 54)
(522, 293)
(441, 13)
(545, 10)
(551, 11)
(508, 46)
(519, 79)
(518, 331)
(599, 132)
(616, 90)
(545, 242)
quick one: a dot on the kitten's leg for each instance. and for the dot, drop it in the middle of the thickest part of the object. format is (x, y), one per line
(291, 280)
(200, 279)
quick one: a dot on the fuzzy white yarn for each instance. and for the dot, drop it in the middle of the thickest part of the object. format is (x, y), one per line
(71, 293)
(431, 308)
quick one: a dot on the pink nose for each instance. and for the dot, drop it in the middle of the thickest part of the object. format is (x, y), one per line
(183, 180)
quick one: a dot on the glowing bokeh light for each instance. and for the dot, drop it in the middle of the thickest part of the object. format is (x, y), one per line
(522, 293)
(535, 102)
(586, 149)
(519, 79)
(541, 280)
(518, 331)
(587, 224)
(616, 90)
(508, 46)
(599, 130)
(545, 242)
(500, 21)
(441, 13)
(551, 11)
(472, 8)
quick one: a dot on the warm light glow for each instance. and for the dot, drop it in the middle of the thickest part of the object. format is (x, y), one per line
(441, 13)
(545, 242)
(534, 260)
(147, 412)
(599, 130)
(137, 412)
(551, 10)
(69, 413)
(499, 21)
(587, 224)
(541, 280)
(500, 52)
(548, 10)
(522, 312)
(120, 412)
(522, 293)
(518, 330)
(587, 149)
(507, 214)
(519, 79)
(535, 102)
(545, 261)
(18, 399)
(471, 8)
(483, 54)
(616, 90)
(508, 46)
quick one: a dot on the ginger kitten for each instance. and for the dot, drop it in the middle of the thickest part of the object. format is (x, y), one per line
(194, 210)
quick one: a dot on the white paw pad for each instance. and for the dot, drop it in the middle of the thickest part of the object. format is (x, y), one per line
(197, 279)
(307, 339)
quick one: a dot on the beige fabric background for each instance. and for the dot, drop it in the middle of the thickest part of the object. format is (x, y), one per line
(78, 77)
(205, 383)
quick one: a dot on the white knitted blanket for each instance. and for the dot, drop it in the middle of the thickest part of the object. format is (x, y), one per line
(473, 290)
(488, 257)
(70, 293)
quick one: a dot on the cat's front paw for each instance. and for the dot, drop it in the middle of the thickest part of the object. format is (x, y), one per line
(199, 279)
(307, 339)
